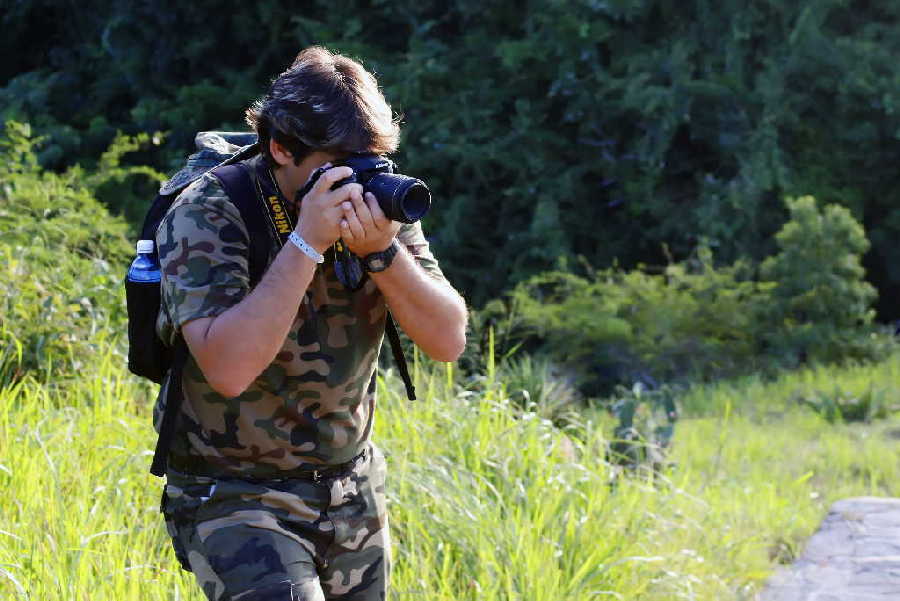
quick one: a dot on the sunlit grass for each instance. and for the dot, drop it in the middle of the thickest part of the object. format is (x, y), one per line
(485, 504)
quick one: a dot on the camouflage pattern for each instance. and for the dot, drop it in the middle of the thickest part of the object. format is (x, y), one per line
(240, 514)
(284, 540)
(314, 404)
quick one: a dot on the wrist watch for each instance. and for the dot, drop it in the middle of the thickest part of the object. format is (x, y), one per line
(380, 261)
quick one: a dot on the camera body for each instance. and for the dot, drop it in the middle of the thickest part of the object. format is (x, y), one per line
(401, 198)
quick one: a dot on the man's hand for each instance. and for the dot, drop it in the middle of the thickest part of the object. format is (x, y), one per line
(321, 210)
(364, 227)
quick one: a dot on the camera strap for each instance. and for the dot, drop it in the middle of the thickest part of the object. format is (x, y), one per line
(270, 198)
(390, 328)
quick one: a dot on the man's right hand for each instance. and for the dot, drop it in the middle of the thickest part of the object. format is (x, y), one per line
(319, 221)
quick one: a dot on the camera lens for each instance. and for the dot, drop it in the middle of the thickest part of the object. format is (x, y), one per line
(402, 198)
(415, 200)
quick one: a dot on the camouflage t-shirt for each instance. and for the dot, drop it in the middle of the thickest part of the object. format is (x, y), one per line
(315, 403)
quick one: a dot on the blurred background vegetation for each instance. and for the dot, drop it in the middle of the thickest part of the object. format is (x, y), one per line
(636, 190)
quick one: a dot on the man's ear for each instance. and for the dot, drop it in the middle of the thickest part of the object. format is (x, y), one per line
(279, 153)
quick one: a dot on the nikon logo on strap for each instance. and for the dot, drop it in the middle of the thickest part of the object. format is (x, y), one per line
(279, 216)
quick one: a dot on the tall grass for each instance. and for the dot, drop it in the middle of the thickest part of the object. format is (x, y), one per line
(486, 502)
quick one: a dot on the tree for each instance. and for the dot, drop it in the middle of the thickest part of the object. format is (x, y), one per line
(549, 128)
(822, 305)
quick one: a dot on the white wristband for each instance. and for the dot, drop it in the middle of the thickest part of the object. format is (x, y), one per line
(307, 250)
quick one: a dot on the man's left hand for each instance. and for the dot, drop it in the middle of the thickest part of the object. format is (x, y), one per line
(364, 228)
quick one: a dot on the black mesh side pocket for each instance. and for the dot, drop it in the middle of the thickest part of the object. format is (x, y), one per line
(147, 355)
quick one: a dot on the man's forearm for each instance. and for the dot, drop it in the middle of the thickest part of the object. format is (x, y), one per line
(233, 348)
(431, 312)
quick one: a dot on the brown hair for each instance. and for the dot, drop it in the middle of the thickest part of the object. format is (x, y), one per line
(324, 102)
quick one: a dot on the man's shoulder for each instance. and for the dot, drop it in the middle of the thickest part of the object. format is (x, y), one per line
(206, 193)
(204, 204)
(203, 215)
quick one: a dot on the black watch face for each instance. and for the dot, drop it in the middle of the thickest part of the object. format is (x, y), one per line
(380, 261)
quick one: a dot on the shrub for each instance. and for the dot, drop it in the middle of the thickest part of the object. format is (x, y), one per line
(840, 405)
(646, 426)
(62, 260)
(536, 384)
(692, 320)
(821, 305)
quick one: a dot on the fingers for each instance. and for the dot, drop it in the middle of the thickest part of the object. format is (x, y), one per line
(368, 212)
(331, 177)
(346, 193)
(362, 219)
(359, 222)
(322, 168)
(378, 216)
(363, 212)
(351, 227)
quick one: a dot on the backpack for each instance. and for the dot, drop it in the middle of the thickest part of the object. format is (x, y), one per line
(150, 357)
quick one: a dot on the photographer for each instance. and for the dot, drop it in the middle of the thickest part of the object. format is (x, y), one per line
(274, 490)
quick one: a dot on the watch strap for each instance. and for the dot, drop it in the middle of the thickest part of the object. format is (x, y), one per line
(379, 261)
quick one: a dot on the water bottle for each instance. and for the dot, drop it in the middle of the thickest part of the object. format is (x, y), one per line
(144, 268)
(147, 355)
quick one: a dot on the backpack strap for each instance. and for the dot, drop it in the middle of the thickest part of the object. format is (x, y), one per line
(238, 185)
(174, 397)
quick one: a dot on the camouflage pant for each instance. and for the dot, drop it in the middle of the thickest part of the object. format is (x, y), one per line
(283, 540)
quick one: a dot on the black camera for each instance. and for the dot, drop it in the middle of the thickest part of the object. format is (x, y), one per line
(401, 198)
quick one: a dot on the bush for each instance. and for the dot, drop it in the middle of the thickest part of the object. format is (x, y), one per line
(692, 320)
(695, 321)
(821, 307)
(840, 405)
(62, 260)
(535, 384)
(646, 426)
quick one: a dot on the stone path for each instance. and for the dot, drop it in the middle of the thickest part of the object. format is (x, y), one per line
(855, 556)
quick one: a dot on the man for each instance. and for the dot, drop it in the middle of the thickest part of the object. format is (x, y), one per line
(274, 490)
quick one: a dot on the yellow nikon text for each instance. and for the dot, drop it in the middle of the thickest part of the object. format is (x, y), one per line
(281, 220)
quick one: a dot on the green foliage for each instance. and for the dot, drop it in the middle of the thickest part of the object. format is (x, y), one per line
(534, 384)
(693, 320)
(838, 405)
(821, 303)
(62, 260)
(125, 190)
(618, 126)
(646, 426)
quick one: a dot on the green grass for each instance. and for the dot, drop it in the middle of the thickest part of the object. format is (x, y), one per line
(484, 505)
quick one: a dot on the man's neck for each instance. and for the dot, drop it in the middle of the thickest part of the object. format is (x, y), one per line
(284, 186)
(287, 191)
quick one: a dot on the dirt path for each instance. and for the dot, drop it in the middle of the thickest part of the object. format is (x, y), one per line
(855, 556)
